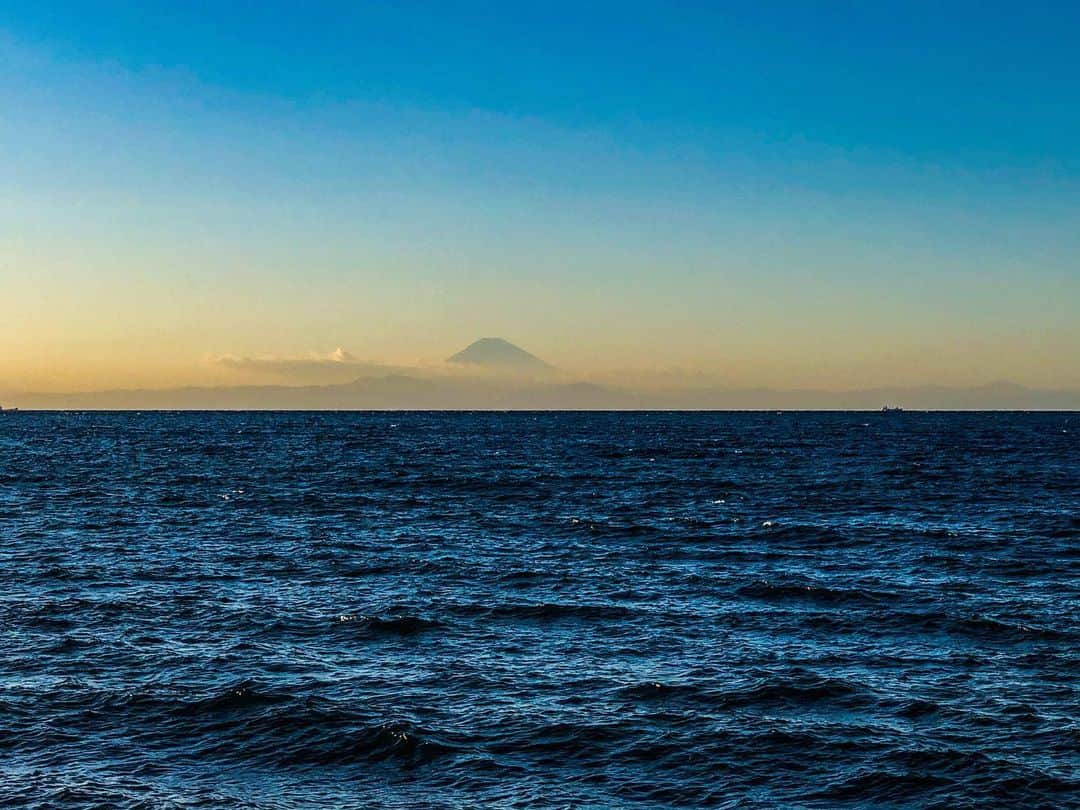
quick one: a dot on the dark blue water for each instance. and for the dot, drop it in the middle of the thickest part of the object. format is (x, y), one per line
(539, 610)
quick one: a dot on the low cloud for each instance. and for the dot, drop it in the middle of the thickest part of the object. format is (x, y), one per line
(336, 366)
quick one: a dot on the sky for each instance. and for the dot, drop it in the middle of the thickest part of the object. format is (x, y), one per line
(801, 195)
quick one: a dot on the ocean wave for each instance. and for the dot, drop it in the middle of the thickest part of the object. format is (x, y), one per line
(817, 594)
(549, 611)
(388, 625)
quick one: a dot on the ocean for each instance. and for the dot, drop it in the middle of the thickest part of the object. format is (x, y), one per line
(458, 610)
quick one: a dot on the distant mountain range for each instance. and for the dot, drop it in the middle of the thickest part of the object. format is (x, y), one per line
(493, 374)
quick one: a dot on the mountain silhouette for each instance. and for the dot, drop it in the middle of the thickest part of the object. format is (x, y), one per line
(496, 353)
(525, 392)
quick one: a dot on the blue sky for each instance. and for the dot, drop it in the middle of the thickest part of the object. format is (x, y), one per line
(978, 83)
(825, 194)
